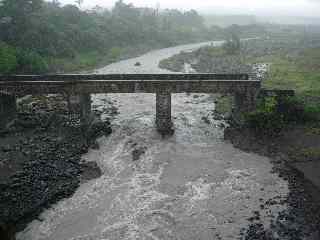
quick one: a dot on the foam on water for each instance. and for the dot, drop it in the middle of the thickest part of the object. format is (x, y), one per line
(192, 185)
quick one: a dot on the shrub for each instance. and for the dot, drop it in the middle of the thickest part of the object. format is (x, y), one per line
(115, 53)
(275, 113)
(8, 59)
(312, 112)
(292, 109)
(233, 44)
(266, 119)
(31, 63)
(231, 47)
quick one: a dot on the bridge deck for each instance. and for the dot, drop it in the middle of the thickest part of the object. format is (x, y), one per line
(126, 83)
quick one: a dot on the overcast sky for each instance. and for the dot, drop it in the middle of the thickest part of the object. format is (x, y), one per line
(266, 7)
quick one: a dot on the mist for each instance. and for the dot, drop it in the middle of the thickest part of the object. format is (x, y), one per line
(303, 8)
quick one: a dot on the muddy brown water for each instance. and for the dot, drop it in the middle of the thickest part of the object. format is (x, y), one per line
(193, 185)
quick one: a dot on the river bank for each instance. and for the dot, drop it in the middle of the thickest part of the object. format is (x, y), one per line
(295, 158)
(40, 160)
(294, 151)
(193, 185)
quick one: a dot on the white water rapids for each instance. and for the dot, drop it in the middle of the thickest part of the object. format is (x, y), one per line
(193, 185)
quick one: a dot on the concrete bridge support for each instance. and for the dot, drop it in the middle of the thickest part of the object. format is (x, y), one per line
(163, 112)
(85, 109)
(244, 102)
(161, 84)
(8, 108)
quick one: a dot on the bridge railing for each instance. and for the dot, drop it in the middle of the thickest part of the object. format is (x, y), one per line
(125, 83)
(122, 77)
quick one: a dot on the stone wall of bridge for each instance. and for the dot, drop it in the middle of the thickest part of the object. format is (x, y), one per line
(8, 108)
(96, 87)
(163, 85)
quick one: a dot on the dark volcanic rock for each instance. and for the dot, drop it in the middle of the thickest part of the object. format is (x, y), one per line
(301, 220)
(90, 170)
(136, 153)
(44, 151)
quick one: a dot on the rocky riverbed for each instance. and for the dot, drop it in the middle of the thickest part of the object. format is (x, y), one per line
(301, 220)
(212, 59)
(193, 185)
(40, 160)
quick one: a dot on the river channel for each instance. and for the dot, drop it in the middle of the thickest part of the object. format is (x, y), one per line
(193, 185)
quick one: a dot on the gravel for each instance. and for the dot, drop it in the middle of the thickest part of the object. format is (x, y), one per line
(40, 153)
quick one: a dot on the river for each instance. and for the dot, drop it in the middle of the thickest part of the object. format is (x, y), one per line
(193, 185)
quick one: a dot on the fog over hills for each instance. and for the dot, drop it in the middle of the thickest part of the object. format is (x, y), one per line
(305, 8)
(225, 13)
(227, 20)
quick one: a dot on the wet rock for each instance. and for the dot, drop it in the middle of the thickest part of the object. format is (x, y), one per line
(95, 145)
(90, 170)
(205, 119)
(217, 116)
(98, 128)
(302, 217)
(48, 151)
(136, 153)
(7, 232)
(5, 148)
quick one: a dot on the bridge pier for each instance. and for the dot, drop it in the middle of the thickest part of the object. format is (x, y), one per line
(163, 113)
(8, 108)
(85, 109)
(244, 102)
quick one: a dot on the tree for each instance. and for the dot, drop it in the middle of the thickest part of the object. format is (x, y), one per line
(44, 31)
(8, 59)
(233, 43)
(20, 15)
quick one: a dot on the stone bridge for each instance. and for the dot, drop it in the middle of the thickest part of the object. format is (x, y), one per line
(163, 85)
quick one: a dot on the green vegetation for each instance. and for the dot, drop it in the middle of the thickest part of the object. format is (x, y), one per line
(293, 59)
(293, 64)
(8, 59)
(310, 154)
(232, 44)
(275, 113)
(39, 36)
(301, 73)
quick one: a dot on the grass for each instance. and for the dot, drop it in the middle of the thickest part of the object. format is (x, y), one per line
(300, 73)
(82, 62)
(313, 130)
(95, 59)
(309, 154)
(216, 51)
